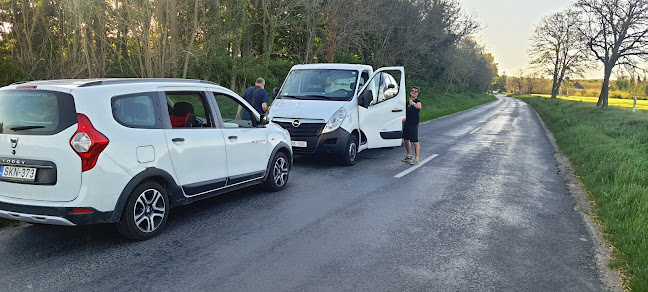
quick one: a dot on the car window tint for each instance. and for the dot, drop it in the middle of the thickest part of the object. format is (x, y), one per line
(35, 112)
(188, 110)
(136, 110)
(234, 114)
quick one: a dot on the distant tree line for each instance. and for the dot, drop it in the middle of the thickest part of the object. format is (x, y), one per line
(611, 33)
(234, 41)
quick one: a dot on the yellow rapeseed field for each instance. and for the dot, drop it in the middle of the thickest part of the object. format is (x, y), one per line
(625, 103)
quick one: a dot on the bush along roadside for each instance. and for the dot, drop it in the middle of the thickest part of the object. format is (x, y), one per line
(609, 151)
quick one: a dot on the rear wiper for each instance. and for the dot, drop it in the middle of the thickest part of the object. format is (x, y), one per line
(21, 128)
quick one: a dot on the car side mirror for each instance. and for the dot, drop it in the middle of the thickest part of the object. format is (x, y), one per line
(275, 92)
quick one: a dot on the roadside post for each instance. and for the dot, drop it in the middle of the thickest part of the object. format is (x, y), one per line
(634, 105)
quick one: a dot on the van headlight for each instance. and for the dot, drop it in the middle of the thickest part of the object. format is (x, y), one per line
(335, 121)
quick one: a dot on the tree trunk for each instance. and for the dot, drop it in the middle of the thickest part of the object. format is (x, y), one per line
(603, 98)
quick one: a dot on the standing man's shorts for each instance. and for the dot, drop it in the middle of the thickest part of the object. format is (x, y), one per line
(410, 132)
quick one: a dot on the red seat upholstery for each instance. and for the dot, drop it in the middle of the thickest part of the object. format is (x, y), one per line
(179, 121)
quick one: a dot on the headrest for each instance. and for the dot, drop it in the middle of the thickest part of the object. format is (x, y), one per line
(182, 108)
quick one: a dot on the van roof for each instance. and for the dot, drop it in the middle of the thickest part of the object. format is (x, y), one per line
(358, 67)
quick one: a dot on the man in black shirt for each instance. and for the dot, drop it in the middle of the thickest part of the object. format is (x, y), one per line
(410, 127)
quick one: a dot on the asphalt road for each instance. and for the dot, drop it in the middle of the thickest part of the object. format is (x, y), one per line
(488, 213)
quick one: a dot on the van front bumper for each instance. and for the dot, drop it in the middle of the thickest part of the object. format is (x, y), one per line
(328, 143)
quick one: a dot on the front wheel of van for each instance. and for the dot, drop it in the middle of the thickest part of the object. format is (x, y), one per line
(146, 212)
(350, 151)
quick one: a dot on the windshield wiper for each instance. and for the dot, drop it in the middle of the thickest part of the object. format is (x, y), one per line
(289, 96)
(21, 128)
(320, 96)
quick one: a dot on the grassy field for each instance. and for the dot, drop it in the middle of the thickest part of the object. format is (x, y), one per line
(609, 151)
(625, 103)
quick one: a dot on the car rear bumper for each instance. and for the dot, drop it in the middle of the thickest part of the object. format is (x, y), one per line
(52, 215)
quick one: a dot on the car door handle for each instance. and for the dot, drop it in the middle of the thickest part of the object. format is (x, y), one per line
(177, 140)
(397, 110)
(232, 137)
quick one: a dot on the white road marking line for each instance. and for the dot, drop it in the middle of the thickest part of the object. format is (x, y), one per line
(405, 172)
(475, 130)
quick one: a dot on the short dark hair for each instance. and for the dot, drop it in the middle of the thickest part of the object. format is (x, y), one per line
(416, 87)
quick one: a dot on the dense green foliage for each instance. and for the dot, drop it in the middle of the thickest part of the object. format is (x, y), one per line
(232, 42)
(609, 151)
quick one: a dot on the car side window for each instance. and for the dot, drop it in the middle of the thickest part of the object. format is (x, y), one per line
(388, 87)
(137, 110)
(233, 113)
(189, 109)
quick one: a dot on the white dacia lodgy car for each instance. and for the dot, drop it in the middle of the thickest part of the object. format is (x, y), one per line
(127, 150)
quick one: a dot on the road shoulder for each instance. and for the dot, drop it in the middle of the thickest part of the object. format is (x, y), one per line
(602, 250)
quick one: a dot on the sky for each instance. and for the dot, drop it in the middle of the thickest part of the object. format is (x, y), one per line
(507, 27)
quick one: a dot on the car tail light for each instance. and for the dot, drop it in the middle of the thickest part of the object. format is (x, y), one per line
(88, 142)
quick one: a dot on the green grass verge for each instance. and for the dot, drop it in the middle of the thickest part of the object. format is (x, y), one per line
(609, 151)
(437, 105)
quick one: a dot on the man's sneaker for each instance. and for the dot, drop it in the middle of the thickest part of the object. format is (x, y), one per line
(408, 158)
(415, 162)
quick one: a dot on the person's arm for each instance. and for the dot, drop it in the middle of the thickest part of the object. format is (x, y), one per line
(416, 105)
(265, 99)
(238, 112)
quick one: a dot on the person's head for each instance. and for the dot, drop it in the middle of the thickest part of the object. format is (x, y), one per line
(260, 82)
(414, 92)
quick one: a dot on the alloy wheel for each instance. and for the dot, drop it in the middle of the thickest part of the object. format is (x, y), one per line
(280, 171)
(149, 210)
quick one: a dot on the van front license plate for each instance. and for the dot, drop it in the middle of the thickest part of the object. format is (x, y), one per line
(22, 173)
(301, 144)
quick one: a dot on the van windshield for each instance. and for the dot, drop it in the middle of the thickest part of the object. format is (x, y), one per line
(320, 84)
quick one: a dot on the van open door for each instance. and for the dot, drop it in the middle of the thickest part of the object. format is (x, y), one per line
(381, 107)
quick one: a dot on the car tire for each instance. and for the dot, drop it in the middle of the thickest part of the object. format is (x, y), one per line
(350, 154)
(146, 212)
(278, 173)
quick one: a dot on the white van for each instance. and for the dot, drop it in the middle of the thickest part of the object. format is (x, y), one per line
(341, 109)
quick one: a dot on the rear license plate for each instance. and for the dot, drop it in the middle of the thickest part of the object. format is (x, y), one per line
(302, 144)
(22, 173)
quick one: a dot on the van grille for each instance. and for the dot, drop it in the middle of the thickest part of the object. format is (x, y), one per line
(304, 130)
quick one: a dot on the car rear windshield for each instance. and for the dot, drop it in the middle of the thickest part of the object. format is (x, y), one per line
(35, 112)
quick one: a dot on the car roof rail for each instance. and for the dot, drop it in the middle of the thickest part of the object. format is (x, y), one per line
(143, 80)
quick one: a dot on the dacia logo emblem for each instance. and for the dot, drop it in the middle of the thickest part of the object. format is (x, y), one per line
(14, 142)
(296, 123)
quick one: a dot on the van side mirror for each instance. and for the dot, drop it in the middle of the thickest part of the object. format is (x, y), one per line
(365, 98)
(275, 92)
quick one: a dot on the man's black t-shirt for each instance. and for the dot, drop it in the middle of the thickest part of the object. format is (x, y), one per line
(412, 114)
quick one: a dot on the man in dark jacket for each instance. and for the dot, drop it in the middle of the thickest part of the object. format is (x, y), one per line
(257, 97)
